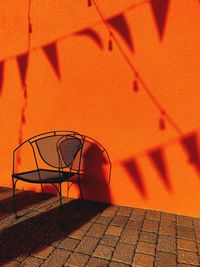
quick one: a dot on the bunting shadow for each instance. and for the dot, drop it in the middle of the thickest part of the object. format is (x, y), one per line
(158, 160)
(191, 147)
(134, 172)
(1, 76)
(50, 51)
(93, 35)
(119, 23)
(160, 12)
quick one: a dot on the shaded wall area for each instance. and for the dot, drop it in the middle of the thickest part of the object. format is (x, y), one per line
(133, 88)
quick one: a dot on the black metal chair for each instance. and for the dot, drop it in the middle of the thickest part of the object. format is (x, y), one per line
(58, 151)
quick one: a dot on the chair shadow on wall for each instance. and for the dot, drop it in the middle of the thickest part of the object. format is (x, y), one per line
(96, 172)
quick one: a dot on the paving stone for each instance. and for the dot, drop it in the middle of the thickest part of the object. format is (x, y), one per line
(104, 220)
(125, 211)
(119, 220)
(123, 253)
(86, 226)
(134, 224)
(198, 247)
(197, 234)
(153, 215)
(21, 252)
(97, 230)
(78, 233)
(186, 232)
(11, 264)
(69, 243)
(118, 264)
(186, 245)
(39, 236)
(109, 240)
(97, 262)
(168, 216)
(184, 265)
(139, 211)
(196, 223)
(163, 259)
(138, 215)
(31, 262)
(77, 259)
(110, 211)
(143, 260)
(150, 226)
(5, 222)
(57, 258)
(114, 230)
(166, 222)
(166, 244)
(146, 248)
(43, 252)
(188, 257)
(184, 221)
(104, 252)
(87, 245)
(11, 242)
(167, 230)
(94, 218)
(130, 236)
(148, 237)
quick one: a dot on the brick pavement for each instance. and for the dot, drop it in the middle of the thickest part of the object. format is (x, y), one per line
(93, 234)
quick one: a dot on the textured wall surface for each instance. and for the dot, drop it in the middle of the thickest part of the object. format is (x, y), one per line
(153, 168)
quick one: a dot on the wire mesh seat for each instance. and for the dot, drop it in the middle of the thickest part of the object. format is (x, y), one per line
(57, 157)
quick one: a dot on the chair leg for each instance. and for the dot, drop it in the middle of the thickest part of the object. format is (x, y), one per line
(14, 199)
(61, 207)
(68, 187)
(43, 193)
(79, 184)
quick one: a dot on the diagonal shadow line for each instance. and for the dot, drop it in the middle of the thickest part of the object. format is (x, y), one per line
(31, 234)
(24, 200)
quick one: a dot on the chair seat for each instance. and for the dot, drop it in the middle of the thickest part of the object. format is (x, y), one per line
(46, 176)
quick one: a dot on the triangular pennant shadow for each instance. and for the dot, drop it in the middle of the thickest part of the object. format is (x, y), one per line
(50, 51)
(92, 35)
(132, 168)
(190, 144)
(158, 161)
(160, 9)
(22, 61)
(120, 24)
(1, 75)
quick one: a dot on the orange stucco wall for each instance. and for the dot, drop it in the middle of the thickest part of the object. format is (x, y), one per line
(95, 94)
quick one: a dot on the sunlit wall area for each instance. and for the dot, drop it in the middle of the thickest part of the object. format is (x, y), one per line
(125, 73)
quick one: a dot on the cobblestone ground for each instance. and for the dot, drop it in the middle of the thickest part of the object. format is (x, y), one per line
(93, 234)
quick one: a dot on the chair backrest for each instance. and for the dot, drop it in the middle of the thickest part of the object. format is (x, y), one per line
(68, 147)
(58, 150)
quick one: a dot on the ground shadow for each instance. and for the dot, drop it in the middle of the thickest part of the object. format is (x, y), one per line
(38, 230)
(24, 200)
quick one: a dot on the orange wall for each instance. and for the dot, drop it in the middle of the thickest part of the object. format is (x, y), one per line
(95, 94)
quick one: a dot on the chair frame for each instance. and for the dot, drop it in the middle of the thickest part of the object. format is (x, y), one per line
(33, 140)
